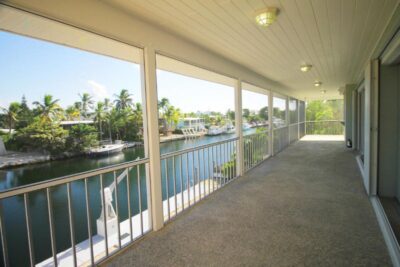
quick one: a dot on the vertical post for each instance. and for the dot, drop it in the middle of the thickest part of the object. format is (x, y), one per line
(298, 119)
(288, 118)
(153, 138)
(239, 128)
(270, 122)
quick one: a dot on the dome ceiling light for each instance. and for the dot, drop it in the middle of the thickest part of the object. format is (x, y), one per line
(317, 83)
(305, 67)
(266, 16)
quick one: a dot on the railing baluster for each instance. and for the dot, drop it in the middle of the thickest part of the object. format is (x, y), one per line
(194, 178)
(51, 225)
(140, 198)
(174, 176)
(103, 200)
(204, 172)
(29, 229)
(187, 178)
(219, 165)
(167, 187)
(209, 159)
(89, 221)
(128, 198)
(117, 209)
(198, 173)
(3, 236)
(71, 223)
(182, 186)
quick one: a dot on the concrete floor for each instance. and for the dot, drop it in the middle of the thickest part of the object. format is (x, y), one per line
(304, 207)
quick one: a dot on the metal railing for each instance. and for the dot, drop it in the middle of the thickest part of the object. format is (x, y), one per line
(189, 175)
(73, 202)
(326, 127)
(293, 132)
(255, 149)
(281, 138)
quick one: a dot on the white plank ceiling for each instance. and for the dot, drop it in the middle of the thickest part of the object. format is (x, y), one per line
(336, 36)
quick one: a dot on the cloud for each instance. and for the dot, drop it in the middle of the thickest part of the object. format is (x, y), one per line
(99, 91)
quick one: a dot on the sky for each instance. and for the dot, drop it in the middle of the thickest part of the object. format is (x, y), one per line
(34, 68)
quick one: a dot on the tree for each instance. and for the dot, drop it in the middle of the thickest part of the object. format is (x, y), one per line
(42, 135)
(163, 105)
(25, 115)
(230, 114)
(82, 137)
(86, 103)
(246, 113)
(123, 100)
(99, 117)
(107, 108)
(72, 112)
(263, 113)
(49, 110)
(11, 114)
(172, 115)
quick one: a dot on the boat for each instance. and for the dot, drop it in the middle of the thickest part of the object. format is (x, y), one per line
(105, 150)
(216, 130)
(246, 126)
(230, 129)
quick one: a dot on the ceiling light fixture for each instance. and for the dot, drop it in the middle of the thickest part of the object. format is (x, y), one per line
(317, 83)
(323, 91)
(305, 67)
(267, 16)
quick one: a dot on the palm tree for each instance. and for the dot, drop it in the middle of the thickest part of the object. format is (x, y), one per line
(49, 110)
(87, 103)
(73, 112)
(163, 105)
(172, 116)
(100, 115)
(107, 108)
(123, 100)
(11, 114)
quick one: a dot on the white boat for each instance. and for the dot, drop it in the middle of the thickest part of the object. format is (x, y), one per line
(216, 130)
(246, 126)
(105, 150)
(230, 129)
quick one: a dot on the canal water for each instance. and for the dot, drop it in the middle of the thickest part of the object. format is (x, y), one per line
(13, 208)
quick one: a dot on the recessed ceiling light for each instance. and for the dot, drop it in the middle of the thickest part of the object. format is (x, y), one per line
(305, 67)
(317, 83)
(267, 16)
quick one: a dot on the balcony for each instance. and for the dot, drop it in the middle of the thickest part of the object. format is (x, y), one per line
(217, 138)
(305, 206)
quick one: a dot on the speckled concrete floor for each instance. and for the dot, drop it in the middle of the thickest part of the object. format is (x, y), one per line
(304, 207)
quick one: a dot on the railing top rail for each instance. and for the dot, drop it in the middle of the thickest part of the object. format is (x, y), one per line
(68, 178)
(256, 133)
(188, 150)
(282, 127)
(327, 121)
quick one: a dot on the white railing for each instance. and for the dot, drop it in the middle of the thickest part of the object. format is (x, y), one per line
(255, 149)
(281, 138)
(88, 195)
(325, 127)
(189, 175)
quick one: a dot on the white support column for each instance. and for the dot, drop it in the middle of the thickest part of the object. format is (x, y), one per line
(239, 127)
(298, 119)
(288, 117)
(153, 138)
(271, 122)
